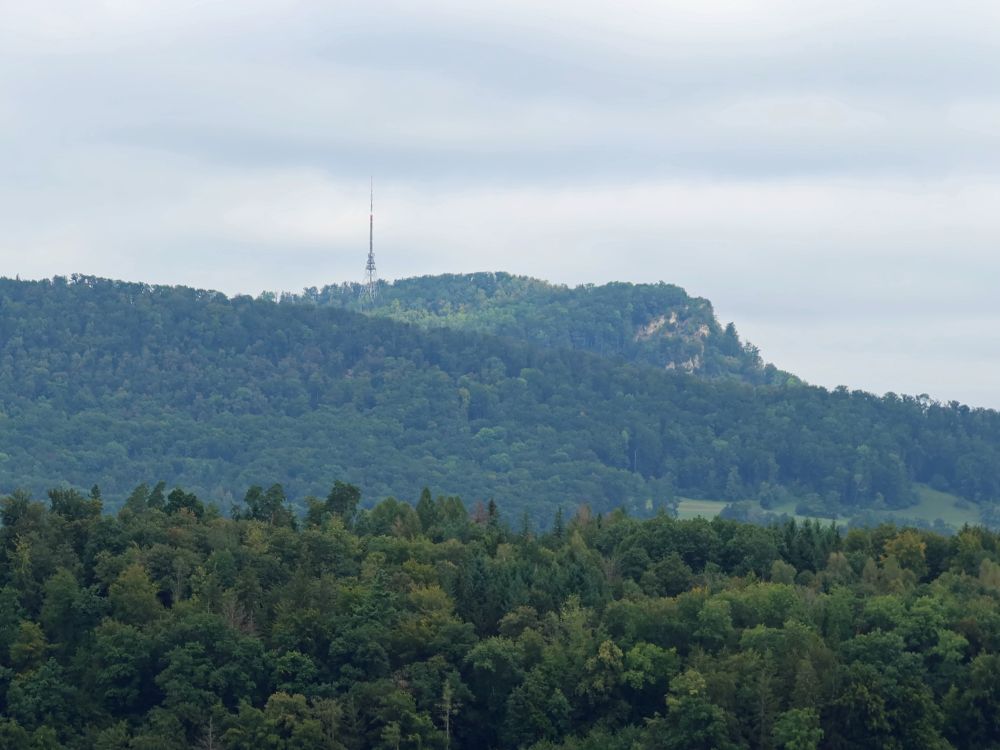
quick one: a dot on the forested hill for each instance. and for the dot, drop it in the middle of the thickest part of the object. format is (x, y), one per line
(657, 324)
(102, 382)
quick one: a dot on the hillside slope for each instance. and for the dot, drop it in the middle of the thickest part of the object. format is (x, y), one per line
(655, 324)
(103, 382)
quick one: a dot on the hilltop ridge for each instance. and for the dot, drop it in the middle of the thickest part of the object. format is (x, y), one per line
(655, 324)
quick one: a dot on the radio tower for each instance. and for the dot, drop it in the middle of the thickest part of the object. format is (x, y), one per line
(369, 291)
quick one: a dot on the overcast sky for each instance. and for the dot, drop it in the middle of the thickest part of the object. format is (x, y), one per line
(827, 173)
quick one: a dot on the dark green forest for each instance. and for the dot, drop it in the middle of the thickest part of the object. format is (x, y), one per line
(168, 625)
(104, 380)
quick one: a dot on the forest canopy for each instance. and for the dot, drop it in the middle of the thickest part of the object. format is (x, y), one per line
(656, 324)
(112, 380)
(167, 625)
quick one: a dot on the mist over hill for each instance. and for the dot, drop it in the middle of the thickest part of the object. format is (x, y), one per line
(106, 382)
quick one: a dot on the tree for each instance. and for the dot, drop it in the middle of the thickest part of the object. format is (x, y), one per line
(427, 511)
(190, 685)
(73, 506)
(157, 497)
(43, 697)
(269, 507)
(287, 722)
(715, 624)
(343, 501)
(798, 729)
(133, 596)
(178, 500)
(68, 612)
(536, 710)
(120, 663)
(908, 549)
(692, 722)
(29, 647)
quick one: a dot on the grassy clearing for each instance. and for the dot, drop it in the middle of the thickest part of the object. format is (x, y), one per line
(933, 505)
(688, 509)
(789, 509)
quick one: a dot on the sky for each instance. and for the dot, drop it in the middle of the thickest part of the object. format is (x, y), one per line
(826, 173)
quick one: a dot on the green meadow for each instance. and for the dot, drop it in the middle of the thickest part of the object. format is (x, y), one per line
(933, 504)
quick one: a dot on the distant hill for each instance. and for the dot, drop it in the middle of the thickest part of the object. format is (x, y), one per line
(656, 324)
(109, 382)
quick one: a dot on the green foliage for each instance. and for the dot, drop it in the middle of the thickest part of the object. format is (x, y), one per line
(133, 596)
(433, 628)
(117, 380)
(798, 729)
(309, 618)
(657, 324)
(693, 721)
(28, 648)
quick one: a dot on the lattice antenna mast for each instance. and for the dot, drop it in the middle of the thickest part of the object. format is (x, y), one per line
(369, 291)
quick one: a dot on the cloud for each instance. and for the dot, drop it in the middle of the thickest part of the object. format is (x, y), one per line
(826, 173)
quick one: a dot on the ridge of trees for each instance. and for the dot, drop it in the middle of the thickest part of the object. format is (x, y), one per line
(114, 380)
